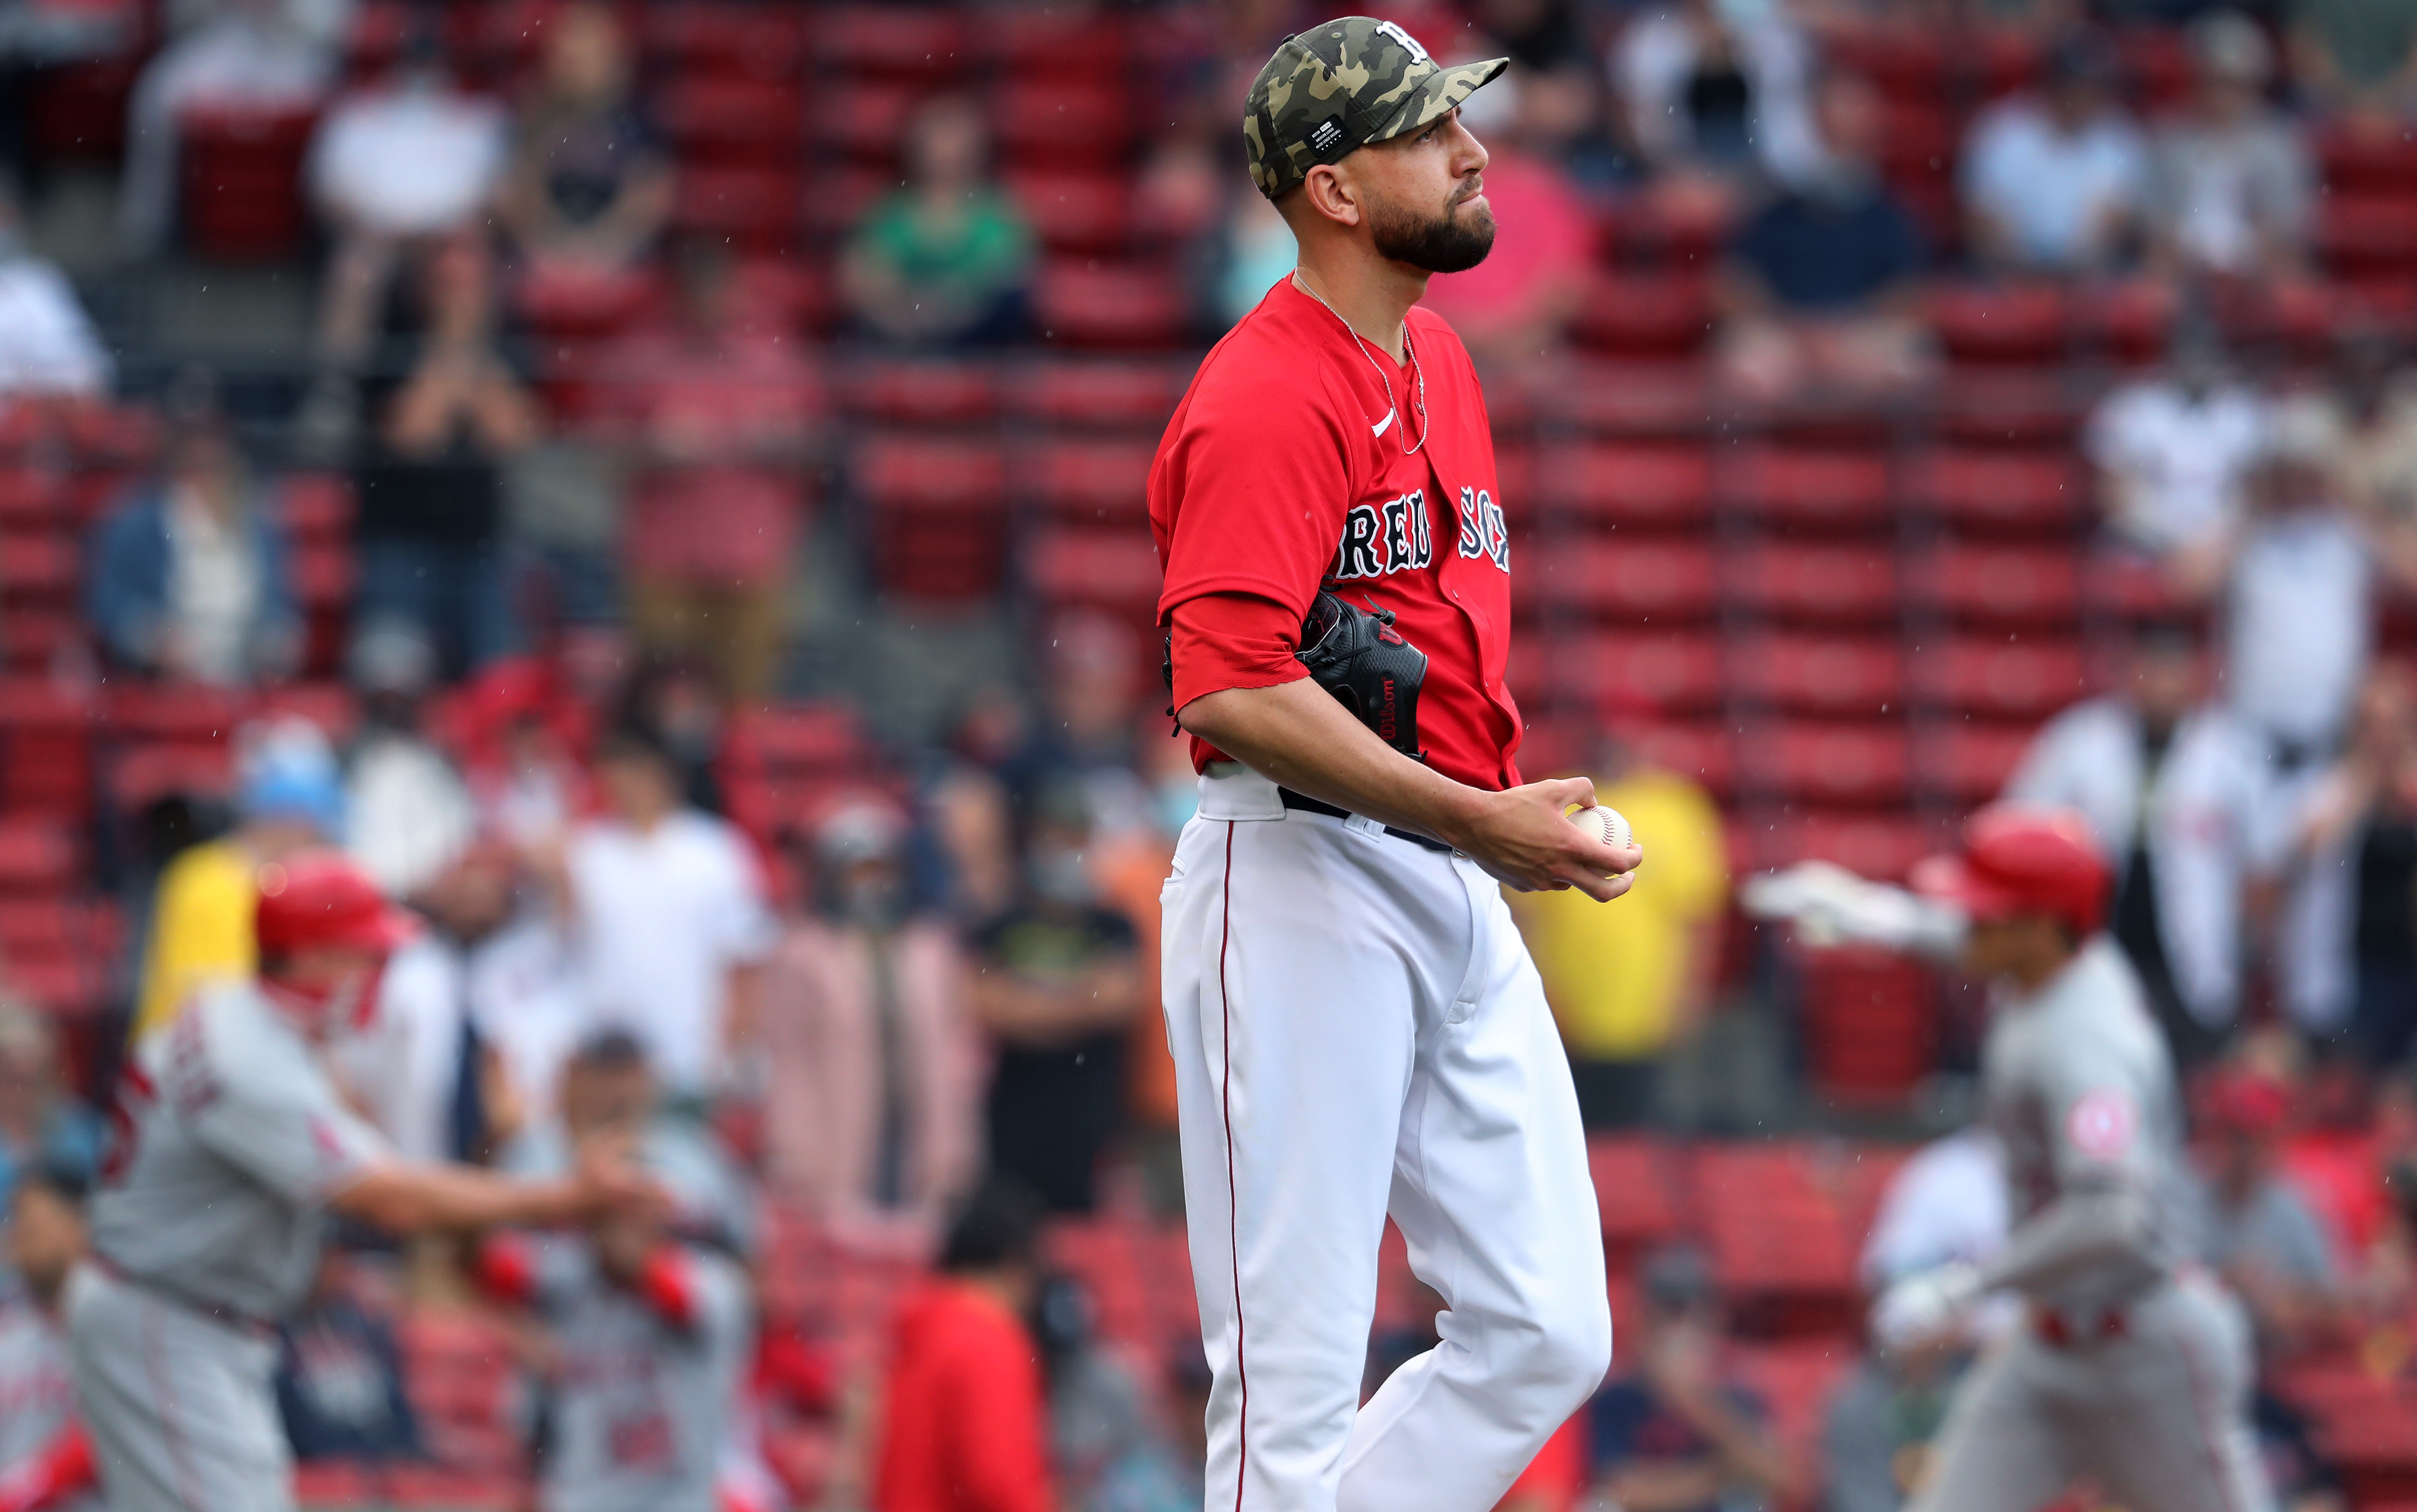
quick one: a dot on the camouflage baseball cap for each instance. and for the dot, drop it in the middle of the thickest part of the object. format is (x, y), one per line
(1335, 88)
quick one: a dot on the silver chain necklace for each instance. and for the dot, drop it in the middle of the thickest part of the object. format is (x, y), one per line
(1420, 403)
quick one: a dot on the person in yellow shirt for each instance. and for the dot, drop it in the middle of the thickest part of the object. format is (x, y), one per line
(290, 794)
(1624, 982)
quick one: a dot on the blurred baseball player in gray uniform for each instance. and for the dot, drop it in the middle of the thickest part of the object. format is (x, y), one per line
(653, 1339)
(2134, 1366)
(229, 1145)
(45, 1459)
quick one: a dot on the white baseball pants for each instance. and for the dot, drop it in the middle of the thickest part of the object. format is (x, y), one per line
(1357, 1031)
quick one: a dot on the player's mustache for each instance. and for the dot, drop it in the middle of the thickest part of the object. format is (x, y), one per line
(1474, 186)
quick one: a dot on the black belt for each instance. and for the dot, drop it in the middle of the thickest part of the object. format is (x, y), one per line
(1308, 804)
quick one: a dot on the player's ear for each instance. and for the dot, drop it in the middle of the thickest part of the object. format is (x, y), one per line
(1328, 191)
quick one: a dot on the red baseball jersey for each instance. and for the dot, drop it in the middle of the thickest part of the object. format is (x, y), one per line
(1284, 471)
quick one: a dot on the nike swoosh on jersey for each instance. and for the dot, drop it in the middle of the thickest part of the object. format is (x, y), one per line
(1386, 424)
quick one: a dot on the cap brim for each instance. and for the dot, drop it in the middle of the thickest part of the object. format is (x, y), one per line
(1949, 880)
(1438, 94)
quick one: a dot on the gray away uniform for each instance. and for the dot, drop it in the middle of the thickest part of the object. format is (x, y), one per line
(36, 1393)
(228, 1139)
(2135, 1368)
(642, 1405)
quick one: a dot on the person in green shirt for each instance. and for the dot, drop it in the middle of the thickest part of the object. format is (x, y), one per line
(946, 259)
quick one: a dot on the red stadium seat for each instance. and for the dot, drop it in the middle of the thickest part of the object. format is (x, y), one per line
(894, 470)
(1113, 568)
(922, 390)
(2133, 587)
(1655, 485)
(39, 567)
(38, 857)
(1704, 750)
(1970, 762)
(733, 120)
(1106, 305)
(756, 208)
(1634, 1192)
(1870, 1021)
(559, 298)
(2001, 585)
(906, 41)
(1641, 581)
(2013, 325)
(1833, 676)
(39, 638)
(1880, 846)
(1057, 121)
(1817, 585)
(1100, 392)
(1818, 761)
(324, 573)
(866, 120)
(2001, 677)
(1630, 671)
(796, 741)
(32, 498)
(2001, 490)
(1066, 42)
(240, 180)
(1630, 398)
(1818, 487)
(2367, 162)
(1638, 314)
(45, 747)
(2369, 233)
(1077, 212)
(741, 40)
(1094, 479)
(838, 198)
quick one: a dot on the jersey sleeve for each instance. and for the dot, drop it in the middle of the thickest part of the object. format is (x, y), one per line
(1264, 474)
(267, 1110)
(2097, 1110)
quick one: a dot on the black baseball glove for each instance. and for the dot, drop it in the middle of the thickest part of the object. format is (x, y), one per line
(1357, 654)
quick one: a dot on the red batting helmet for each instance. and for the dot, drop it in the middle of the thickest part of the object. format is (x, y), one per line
(2019, 860)
(320, 898)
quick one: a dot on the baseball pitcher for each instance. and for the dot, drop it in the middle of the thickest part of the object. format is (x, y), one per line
(2133, 1368)
(229, 1145)
(1356, 1026)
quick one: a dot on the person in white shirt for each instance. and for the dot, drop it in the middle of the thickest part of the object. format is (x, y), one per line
(1709, 82)
(2171, 450)
(2235, 182)
(2057, 182)
(667, 919)
(2296, 578)
(2177, 794)
(46, 345)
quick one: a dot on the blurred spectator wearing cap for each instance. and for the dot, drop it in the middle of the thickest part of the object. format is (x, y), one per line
(872, 1067)
(1091, 680)
(186, 576)
(1517, 304)
(1820, 289)
(2057, 182)
(407, 812)
(1058, 990)
(947, 260)
(2176, 793)
(2254, 1226)
(289, 794)
(2173, 449)
(722, 405)
(431, 521)
(1618, 1023)
(2296, 578)
(253, 54)
(665, 911)
(2235, 187)
(590, 180)
(963, 1414)
(1110, 1451)
(2356, 59)
(48, 347)
(2348, 950)
(397, 166)
(46, 1464)
(42, 1122)
(1674, 1430)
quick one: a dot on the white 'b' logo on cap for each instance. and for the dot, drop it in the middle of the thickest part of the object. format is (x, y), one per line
(1410, 43)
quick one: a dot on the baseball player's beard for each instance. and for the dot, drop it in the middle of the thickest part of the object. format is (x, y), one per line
(1439, 244)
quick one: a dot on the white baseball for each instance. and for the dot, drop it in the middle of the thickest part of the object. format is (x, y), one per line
(1605, 824)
